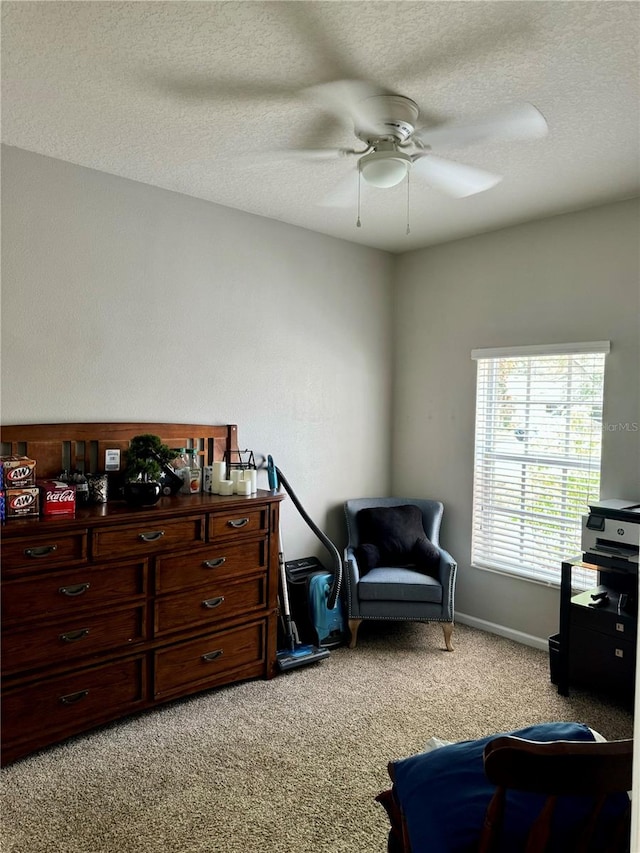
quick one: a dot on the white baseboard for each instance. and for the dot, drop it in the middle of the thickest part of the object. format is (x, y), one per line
(502, 631)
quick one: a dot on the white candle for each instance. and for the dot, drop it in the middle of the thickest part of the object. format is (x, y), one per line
(226, 487)
(219, 474)
(234, 475)
(243, 487)
(252, 476)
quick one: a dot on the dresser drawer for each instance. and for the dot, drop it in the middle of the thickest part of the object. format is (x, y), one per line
(212, 563)
(37, 552)
(210, 605)
(65, 641)
(56, 593)
(146, 538)
(72, 702)
(210, 660)
(238, 522)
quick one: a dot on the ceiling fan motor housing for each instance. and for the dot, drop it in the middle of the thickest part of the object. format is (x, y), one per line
(390, 117)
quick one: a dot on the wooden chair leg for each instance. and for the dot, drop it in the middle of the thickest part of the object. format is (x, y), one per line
(447, 628)
(354, 624)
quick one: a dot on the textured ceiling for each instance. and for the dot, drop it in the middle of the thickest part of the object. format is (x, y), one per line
(189, 95)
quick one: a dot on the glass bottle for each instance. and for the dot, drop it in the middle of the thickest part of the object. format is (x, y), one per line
(195, 478)
(180, 460)
(181, 464)
(82, 487)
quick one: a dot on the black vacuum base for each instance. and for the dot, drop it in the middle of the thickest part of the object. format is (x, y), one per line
(300, 656)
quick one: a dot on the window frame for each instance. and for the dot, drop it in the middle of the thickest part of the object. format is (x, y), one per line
(485, 558)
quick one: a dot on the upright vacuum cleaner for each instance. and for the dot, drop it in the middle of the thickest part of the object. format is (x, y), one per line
(294, 653)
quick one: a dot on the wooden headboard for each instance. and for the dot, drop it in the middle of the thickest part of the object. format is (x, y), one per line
(82, 446)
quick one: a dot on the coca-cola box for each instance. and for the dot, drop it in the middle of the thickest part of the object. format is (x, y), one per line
(57, 498)
(21, 502)
(18, 471)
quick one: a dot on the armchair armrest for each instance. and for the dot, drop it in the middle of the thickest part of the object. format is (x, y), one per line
(447, 576)
(352, 577)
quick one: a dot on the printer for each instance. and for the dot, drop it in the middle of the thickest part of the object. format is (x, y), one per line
(611, 534)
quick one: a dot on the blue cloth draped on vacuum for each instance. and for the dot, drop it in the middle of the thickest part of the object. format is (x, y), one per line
(309, 585)
(328, 622)
(326, 590)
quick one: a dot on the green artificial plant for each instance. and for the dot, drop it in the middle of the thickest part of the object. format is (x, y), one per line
(145, 458)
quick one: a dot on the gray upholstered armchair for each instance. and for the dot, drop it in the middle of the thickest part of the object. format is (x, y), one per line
(405, 592)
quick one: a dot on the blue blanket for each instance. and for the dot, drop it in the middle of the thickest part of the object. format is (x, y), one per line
(444, 794)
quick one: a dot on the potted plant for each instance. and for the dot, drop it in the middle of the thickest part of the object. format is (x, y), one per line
(145, 461)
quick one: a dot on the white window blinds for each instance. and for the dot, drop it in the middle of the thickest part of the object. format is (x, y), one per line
(537, 455)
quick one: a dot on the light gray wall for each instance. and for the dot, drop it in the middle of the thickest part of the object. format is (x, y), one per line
(122, 301)
(568, 278)
(126, 302)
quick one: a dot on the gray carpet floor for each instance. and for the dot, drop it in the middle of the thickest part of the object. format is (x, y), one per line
(291, 765)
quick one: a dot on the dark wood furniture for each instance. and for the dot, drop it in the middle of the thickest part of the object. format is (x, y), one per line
(595, 771)
(115, 609)
(597, 644)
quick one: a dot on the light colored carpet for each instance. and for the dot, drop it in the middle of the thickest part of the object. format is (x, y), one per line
(286, 766)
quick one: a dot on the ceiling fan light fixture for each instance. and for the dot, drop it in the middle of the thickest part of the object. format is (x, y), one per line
(384, 169)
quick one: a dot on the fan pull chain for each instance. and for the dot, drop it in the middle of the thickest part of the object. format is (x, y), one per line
(358, 223)
(408, 227)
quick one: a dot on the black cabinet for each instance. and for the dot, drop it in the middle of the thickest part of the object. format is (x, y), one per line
(598, 628)
(602, 642)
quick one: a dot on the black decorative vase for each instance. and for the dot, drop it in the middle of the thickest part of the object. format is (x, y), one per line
(142, 493)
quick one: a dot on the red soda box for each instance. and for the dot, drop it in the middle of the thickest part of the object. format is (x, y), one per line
(19, 471)
(20, 503)
(57, 498)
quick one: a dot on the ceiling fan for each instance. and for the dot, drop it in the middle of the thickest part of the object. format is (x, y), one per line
(395, 145)
(395, 140)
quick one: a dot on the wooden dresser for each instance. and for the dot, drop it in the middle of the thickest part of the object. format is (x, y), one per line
(115, 609)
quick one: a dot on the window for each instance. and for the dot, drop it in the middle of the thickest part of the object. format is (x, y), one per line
(537, 456)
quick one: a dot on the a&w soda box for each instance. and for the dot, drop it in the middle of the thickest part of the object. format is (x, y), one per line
(18, 472)
(21, 496)
(21, 502)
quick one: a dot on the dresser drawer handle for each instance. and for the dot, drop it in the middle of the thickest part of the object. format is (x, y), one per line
(74, 636)
(43, 551)
(72, 698)
(211, 603)
(210, 656)
(213, 564)
(238, 522)
(77, 589)
(151, 537)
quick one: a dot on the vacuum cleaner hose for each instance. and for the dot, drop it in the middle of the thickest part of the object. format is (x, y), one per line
(336, 560)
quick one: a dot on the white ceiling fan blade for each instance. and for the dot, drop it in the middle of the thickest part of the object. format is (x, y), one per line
(347, 99)
(311, 153)
(454, 179)
(519, 121)
(209, 89)
(283, 155)
(344, 194)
